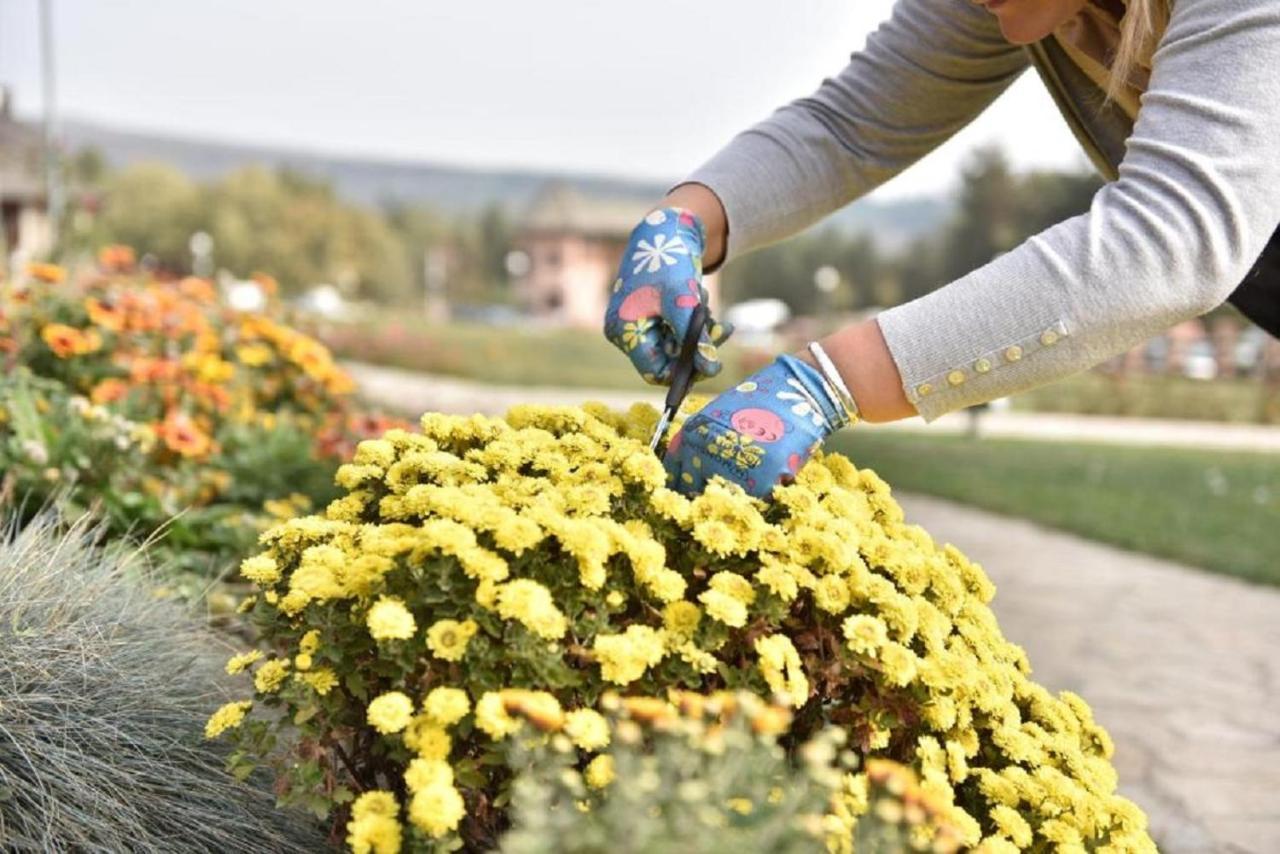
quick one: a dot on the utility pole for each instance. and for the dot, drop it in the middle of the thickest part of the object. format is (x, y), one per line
(52, 162)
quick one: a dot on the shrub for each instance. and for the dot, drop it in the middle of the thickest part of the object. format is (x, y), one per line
(484, 567)
(705, 775)
(104, 690)
(154, 400)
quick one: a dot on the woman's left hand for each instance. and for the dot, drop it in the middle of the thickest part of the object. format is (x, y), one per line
(757, 434)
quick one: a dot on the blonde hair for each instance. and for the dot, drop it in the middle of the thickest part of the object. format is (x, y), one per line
(1141, 29)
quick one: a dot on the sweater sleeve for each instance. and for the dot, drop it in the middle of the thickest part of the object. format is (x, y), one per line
(1197, 198)
(923, 75)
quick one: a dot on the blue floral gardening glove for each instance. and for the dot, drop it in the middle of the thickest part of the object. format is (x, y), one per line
(658, 285)
(758, 434)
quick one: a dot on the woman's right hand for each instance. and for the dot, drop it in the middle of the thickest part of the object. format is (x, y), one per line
(659, 283)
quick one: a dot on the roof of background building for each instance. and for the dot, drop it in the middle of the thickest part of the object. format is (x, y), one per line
(560, 208)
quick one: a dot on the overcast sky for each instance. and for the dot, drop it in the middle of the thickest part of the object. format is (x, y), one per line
(635, 89)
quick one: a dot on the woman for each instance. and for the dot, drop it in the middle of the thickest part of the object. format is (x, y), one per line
(1176, 102)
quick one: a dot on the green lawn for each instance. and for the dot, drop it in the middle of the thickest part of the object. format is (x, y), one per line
(1212, 509)
(577, 358)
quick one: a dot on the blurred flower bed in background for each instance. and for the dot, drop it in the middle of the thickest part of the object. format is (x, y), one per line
(168, 410)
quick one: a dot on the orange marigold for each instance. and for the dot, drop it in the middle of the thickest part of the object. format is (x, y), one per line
(116, 258)
(51, 274)
(104, 314)
(109, 391)
(182, 435)
(67, 341)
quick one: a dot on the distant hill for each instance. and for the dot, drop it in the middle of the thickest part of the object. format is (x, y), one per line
(449, 189)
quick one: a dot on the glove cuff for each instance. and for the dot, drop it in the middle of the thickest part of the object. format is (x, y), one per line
(821, 395)
(687, 224)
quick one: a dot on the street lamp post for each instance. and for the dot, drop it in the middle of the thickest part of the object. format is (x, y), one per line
(52, 166)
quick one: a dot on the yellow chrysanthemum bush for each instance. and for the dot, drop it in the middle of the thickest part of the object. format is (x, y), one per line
(484, 572)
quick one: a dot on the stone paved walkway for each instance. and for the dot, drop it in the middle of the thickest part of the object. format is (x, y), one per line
(1182, 667)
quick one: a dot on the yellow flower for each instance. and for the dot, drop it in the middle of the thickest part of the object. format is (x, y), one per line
(374, 828)
(600, 771)
(530, 604)
(425, 773)
(389, 619)
(448, 639)
(624, 658)
(239, 663)
(831, 594)
(390, 712)
(309, 643)
(227, 717)
(865, 634)
(436, 810)
(322, 680)
(261, 570)
(587, 729)
(269, 676)
(681, 619)
(446, 706)
(492, 717)
(724, 608)
(427, 738)
(782, 669)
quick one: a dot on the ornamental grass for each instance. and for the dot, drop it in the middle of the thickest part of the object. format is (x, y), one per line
(103, 691)
(485, 573)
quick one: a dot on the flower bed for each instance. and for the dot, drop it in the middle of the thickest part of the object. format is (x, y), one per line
(488, 572)
(154, 399)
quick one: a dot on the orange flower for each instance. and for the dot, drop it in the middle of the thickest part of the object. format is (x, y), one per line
(182, 435)
(116, 258)
(66, 341)
(109, 391)
(50, 274)
(147, 370)
(267, 282)
(8, 345)
(198, 289)
(106, 315)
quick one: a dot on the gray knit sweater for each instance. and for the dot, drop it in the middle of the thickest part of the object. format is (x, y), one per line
(1197, 198)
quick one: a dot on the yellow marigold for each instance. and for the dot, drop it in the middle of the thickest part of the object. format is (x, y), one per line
(530, 604)
(374, 828)
(436, 810)
(269, 676)
(538, 707)
(389, 619)
(724, 608)
(780, 664)
(322, 680)
(624, 658)
(448, 639)
(681, 619)
(309, 643)
(492, 717)
(587, 729)
(425, 773)
(446, 706)
(427, 739)
(600, 771)
(239, 663)
(865, 634)
(227, 717)
(261, 570)
(831, 594)
(390, 712)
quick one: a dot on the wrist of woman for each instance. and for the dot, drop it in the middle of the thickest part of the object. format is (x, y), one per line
(706, 206)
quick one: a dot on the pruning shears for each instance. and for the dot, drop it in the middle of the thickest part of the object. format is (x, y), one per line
(683, 373)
